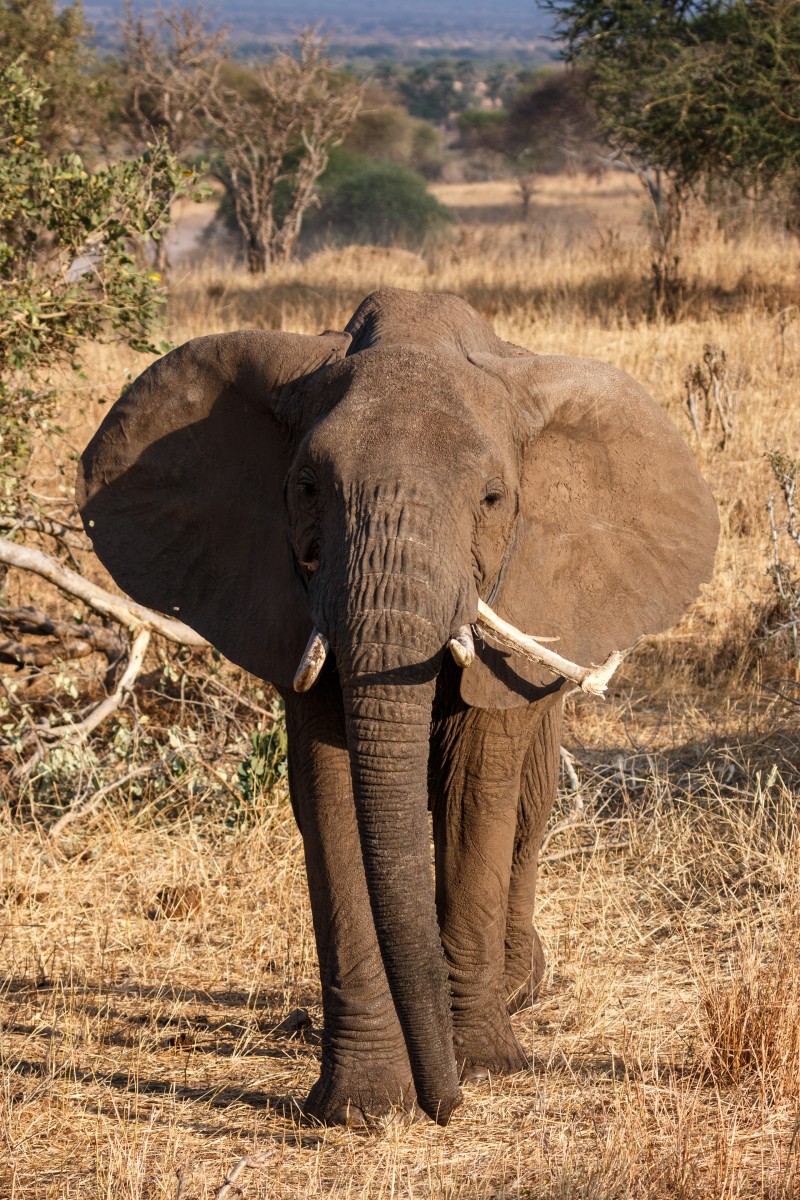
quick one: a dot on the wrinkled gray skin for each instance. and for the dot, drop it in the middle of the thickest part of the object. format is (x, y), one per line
(375, 484)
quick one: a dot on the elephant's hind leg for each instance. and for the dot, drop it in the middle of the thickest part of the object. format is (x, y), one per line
(365, 1069)
(524, 956)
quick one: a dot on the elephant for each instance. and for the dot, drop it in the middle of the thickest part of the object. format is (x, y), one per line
(333, 512)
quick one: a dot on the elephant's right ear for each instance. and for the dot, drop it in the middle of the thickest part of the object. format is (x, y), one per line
(180, 490)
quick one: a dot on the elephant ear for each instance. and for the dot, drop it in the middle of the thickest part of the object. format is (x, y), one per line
(181, 490)
(616, 531)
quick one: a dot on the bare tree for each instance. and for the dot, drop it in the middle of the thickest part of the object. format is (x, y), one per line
(170, 62)
(273, 142)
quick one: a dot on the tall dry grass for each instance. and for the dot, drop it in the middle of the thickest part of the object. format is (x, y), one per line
(151, 954)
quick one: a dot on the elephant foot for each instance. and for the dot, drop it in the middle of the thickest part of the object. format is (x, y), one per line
(489, 1049)
(357, 1097)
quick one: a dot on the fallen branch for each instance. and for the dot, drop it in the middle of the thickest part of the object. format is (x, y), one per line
(95, 717)
(74, 639)
(81, 638)
(111, 703)
(571, 851)
(56, 529)
(575, 821)
(590, 679)
(127, 612)
(229, 1189)
(81, 808)
(568, 763)
(65, 534)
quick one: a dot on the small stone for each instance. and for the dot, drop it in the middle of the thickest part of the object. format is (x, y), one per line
(297, 1024)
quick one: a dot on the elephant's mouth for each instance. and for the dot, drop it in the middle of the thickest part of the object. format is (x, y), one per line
(306, 563)
(594, 679)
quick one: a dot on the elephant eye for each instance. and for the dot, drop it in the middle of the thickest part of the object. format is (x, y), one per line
(494, 493)
(307, 484)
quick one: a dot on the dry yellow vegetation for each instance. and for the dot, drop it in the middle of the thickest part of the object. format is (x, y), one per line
(150, 955)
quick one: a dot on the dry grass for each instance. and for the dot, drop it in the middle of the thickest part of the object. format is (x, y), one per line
(751, 1014)
(150, 956)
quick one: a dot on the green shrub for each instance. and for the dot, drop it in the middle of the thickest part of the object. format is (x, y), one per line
(266, 764)
(69, 272)
(389, 133)
(364, 200)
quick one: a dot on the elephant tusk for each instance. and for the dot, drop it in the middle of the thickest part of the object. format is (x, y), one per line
(462, 647)
(312, 662)
(590, 679)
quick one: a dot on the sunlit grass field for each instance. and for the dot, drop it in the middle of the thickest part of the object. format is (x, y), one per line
(152, 952)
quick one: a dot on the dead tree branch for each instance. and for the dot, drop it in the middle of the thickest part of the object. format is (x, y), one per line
(274, 140)
(111, 703)
(229, 1189)
(72, 639)
(142, 623)
(126, 612)
(85, 805)
(709, 399)
(783, 615)
(169, 61)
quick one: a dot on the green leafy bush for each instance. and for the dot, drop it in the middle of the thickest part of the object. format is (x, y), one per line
(364, 200)
(69, 269)
(388, 132)
(76, 90)
(266, 764)
(702, 89)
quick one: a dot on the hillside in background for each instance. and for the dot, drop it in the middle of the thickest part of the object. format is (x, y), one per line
(405, 27)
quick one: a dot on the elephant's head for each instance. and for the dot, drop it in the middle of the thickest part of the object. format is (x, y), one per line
(375, 484)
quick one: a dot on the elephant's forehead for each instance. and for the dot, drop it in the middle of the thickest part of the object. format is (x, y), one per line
(408, 399)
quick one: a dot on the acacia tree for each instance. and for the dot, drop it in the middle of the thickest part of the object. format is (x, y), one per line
(691, 91)
(169, 64)
(272, 142)
(693, 87)
(549, 125)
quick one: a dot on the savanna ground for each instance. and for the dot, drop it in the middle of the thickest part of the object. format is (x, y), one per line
(151, 952)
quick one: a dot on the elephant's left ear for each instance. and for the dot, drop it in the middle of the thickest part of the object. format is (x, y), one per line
(181, 489)
(617, 529)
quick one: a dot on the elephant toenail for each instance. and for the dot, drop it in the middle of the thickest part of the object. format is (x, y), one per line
(347, 1114)
(474, 1074)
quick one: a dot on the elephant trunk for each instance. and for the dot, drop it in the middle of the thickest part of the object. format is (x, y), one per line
(389, 642)
(388, 729)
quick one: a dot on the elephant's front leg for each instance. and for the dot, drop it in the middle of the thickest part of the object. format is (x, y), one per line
(476, 771)
(365, 1068)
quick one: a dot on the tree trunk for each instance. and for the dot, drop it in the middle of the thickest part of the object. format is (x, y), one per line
(257, 257)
